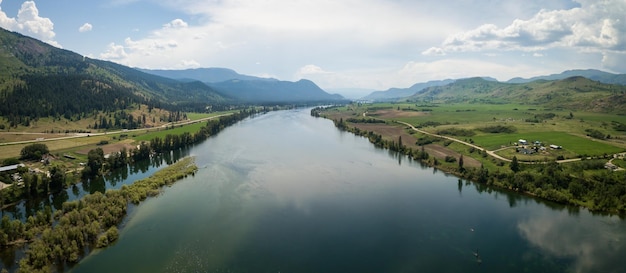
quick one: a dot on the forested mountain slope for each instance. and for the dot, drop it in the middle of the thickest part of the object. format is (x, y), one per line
(38, 80)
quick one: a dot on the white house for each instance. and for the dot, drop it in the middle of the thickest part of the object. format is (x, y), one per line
(522, 142)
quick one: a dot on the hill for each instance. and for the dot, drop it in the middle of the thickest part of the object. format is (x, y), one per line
(396, 93)
(576, 93)
(596, 75)
(207, 75)
(39, 80)
(263, 91)
(250, 89)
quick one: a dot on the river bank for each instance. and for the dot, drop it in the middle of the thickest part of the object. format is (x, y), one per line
(92, 221)
(583, 183)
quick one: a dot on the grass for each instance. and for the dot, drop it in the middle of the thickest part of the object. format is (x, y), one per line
(571, 143)
(190, 128)
(79, 143)
(566, 128)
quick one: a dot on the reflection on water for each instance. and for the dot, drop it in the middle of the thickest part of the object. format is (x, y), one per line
(285, 192)
(595, 244)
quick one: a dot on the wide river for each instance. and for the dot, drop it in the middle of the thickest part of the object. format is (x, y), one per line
(287, 192)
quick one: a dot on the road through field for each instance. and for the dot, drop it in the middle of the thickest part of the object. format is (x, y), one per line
(100, 134)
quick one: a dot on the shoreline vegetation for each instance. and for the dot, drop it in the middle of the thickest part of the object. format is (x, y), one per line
(92, 222)
(56, 240)
(583, 182)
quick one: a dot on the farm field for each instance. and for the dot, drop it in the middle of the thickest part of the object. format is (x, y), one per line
(560, 127)
(90, 141)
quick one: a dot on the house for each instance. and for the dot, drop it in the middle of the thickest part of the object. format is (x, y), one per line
(610, 166)
(556, 147)
(11, 167)
(522, 142)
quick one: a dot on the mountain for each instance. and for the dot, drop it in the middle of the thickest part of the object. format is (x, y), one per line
(575, 93)
(39, 80)
(208, 75)
(251, 89)
(396, 93)
(263, 91)
(351, 93)
(592, 74)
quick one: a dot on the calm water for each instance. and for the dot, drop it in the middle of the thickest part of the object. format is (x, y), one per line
(286, 192)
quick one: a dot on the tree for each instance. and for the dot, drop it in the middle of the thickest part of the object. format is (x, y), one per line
(34, 151)
(461, 169)
(95, 160)
(57, 179)
(514, 165)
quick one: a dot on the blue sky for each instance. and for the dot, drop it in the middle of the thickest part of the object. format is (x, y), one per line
(373, 44)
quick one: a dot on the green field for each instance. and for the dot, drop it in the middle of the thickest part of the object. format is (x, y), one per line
(177, 130)
(571, 143)
(560, 127)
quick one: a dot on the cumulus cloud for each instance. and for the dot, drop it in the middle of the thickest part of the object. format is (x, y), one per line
(85, 27)
(577, 27)
(434, 51)
(311, 69)
(114, 52)
(28, 22)
(176, 23)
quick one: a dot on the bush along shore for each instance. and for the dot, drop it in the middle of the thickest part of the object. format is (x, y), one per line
(67, 235)
(585, 183)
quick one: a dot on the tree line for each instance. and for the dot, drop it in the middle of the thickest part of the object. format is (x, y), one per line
(585, 183)
(92, 221)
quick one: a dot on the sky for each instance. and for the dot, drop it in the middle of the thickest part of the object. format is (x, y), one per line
(368, 44)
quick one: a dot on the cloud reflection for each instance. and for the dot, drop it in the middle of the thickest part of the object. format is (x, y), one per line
(596, 245)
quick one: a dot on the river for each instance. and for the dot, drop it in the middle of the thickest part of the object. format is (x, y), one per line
(287, 192)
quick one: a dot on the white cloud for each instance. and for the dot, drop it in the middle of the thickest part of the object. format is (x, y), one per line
(176, 23)
(369, 43)
(311, 69)
(114, 52)
(28, 22)
(595, 26)
(85, 27)
(434, 51)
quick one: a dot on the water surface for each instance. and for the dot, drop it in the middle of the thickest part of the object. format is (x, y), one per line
(286, 192)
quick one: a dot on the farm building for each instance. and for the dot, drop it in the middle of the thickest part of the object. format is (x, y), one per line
(556, 147)
(522, 142)
(11, 168)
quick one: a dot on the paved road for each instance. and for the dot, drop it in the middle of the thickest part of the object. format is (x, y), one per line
(100, 134)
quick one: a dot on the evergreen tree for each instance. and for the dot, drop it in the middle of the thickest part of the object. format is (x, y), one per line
(515, 167)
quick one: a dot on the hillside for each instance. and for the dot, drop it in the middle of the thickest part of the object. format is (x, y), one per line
(262, 91)
(251, 89)
(207, 75)
(39, 80)
(592, 74)
(572, 93)
(396, 93)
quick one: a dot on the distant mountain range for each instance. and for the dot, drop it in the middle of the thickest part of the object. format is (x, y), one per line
(573, 93)
(208, 75)
(592, 74)
(39, 80)
(251, 89)
(596, 75)
(395, 93)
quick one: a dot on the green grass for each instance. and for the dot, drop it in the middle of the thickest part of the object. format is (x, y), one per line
(575, 144)
(190, 128)
(197, 116)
